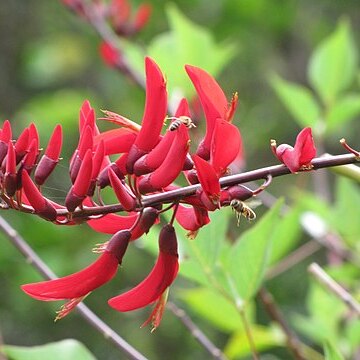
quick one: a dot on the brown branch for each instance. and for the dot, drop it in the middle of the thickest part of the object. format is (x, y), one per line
(179, 194)
(334, 287)
(35, 261)
(214, 351)
(275, 314)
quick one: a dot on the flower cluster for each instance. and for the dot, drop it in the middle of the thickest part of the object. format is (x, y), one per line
(148, 162)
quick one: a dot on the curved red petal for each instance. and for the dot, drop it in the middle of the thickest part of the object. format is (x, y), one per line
(155, 107)
(191, 218)
(207, 176)
(172, 165)
(55, 143)
(116, 141)
(213, 101)
(112, 223)
(82, 181)
(77, 284)
(161, 276)
(304, 146)
(225, 146)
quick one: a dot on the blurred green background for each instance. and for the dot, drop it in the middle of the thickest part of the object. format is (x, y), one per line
(49, 64)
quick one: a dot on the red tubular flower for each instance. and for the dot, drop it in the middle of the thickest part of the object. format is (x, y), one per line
(50, 159)
(78, 191)
(97, 163)
(213, 101)
(142, 16)
(208, 178)
(5, 137)
(156, 156)
(76, 286)
(28, 161)
(21, 145)
(85, 143)
(10, 178)
(192, 219)
(171, 167)
(116, 141)
(299, 156)
(126, 199)
(160, 278)
(110, 55)
(87, 117)
(34, 135)
(154, 114)
(41, 205)
(225, 146)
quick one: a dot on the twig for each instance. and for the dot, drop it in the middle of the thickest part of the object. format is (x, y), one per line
(249, 335)
(34, 260)
(334, 287)
(275, 314)
(214, 351)
(97, 21)
(178, 194)
(294, 258)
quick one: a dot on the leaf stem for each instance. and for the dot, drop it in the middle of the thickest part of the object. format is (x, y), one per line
(249, 335)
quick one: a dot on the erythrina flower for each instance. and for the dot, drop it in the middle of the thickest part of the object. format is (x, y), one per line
(76, 286)
(160, 278)
(154, 114)
(297, 157)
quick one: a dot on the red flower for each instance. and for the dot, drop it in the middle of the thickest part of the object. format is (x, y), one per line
(160, 278)
(154, 114)
(299, 156)
(76, 286)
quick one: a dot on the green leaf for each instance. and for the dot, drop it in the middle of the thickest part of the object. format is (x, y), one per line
(264, 338)
(187, 43)
(215, 308)
(343, 110)
(331, 353)
(347, 205)
(249, 257)
(332, 67)
(61, 350)
(298, 100)
(286, 235)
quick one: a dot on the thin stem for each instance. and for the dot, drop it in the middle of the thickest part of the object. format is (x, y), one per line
(275, 314)
(214, 351)
(249, 335)
(35, 261)
(321, 276)
(181, 193)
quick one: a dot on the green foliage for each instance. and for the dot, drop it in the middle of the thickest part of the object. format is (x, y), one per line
(264, 339)
(187, 43)
(298, 100)
(333, 65)
(247, 262)
(331, 353)
(61, 350)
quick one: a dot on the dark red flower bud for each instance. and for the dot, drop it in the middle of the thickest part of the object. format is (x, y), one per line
(49, 160)
(5, 138)
(238, 192)
(41, 205)
(10, 178)
(81, 185)
(110, 55)
(142, 16)
(98, 160)
(119, 169)
(148, 218)
(192, 177)
(118, 244)
(126, 199)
